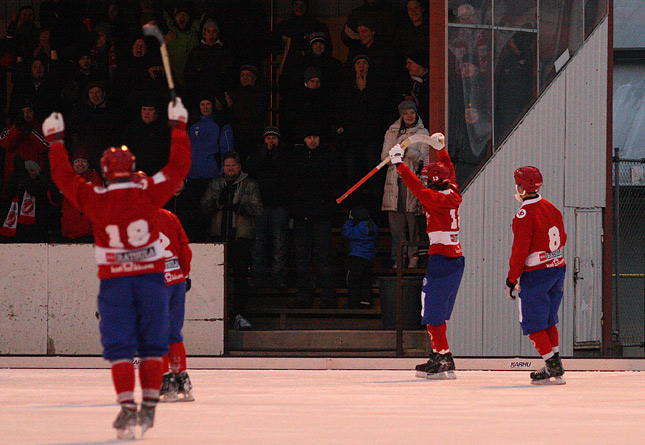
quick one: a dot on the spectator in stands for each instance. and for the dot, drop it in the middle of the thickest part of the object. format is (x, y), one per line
(362, 122)
(33, 211)
(95, 122)
(314, 174)
(148, 138)
(402, 206)
(103, 52)
(32, 82)
(309, 104)
(295, 30)
(378, 12)
(211, 138)
(318, 55)
(22, 140)
(233, 201)
(75, 80)
(44, 45)
(208, 65)
(377, 49)
(182, 37)
(361, 233)
(22, 33)
(472, 70)
(248, 104)
(140, 76)
(514, 81)
(268, 165)
(415, 87)
(413, 34)
(122, 22)
(75, 226)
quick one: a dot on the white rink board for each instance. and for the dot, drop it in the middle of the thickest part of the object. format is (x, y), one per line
(48, 300)
(333, 407)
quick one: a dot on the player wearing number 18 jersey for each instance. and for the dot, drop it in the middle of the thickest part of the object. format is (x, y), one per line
(133, 299)
(441, 200)
(537, 270)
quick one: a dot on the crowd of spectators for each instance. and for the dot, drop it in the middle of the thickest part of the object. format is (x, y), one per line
(90, 61)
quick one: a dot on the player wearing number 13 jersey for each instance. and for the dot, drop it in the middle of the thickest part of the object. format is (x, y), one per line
(537, 269)
(133, 299)
(441, 200)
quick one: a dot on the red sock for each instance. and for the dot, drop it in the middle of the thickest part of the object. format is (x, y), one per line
(541, 342)
(166, 363)
(151, 373)
(438, 338)
(177, 357)
(123, 379)
(554, 338)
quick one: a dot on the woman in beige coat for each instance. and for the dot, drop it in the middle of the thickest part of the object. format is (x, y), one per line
(401, 205)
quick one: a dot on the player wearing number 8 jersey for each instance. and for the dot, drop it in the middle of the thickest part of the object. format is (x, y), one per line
(537, 270)
(133, 299)
(440, 200)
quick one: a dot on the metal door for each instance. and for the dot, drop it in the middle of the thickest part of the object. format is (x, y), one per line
(587, 278)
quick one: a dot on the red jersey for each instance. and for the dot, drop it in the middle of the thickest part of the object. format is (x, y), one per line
(538, 238)
(125, 215)
(441, 208)
(176, 252)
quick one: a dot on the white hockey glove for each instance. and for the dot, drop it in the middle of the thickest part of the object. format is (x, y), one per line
(438, 141)
(510, 288)
(177, 114)
(396, 154)
(54, 127)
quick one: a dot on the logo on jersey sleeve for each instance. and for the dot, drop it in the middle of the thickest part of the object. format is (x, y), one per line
(521, 213)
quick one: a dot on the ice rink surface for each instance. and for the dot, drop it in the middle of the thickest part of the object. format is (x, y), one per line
(77, 406)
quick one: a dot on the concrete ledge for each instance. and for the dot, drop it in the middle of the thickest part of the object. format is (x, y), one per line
(336, 363)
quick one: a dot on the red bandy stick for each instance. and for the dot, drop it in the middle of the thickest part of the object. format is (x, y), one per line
(404, 145)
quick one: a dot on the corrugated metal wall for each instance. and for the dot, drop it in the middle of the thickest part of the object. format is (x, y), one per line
(564, 136)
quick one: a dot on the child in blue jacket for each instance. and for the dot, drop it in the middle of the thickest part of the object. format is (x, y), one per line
(361, 232)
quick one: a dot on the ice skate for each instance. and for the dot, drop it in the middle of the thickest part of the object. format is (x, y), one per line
(184, 387)
(421, 368)
(146, 415)
(442, 367)
(126, 421)
(169, 388)
(550, 374)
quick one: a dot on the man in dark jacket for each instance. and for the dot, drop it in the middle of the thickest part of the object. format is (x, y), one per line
(233, 201)
(149, 139)
(314, 169)
(267, 164)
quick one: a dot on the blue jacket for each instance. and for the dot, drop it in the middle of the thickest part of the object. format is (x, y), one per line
(208, 143)
(361, 242)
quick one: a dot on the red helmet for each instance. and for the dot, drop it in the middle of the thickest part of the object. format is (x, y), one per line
(436, 173)
(117, 163)
(529, 178)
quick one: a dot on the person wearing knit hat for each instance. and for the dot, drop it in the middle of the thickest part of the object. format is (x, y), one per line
(360, 57)
(317, 36)
(311, 73)
(417, 87)
(271, 131)
(399, 203)
(251, 68)
(407, 105)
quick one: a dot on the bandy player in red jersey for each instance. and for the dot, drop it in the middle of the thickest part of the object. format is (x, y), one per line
(440, 200)
(133, 299)
(177, 253)
(537, 270)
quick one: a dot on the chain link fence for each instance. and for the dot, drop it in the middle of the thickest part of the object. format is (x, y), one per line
(629, 251)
